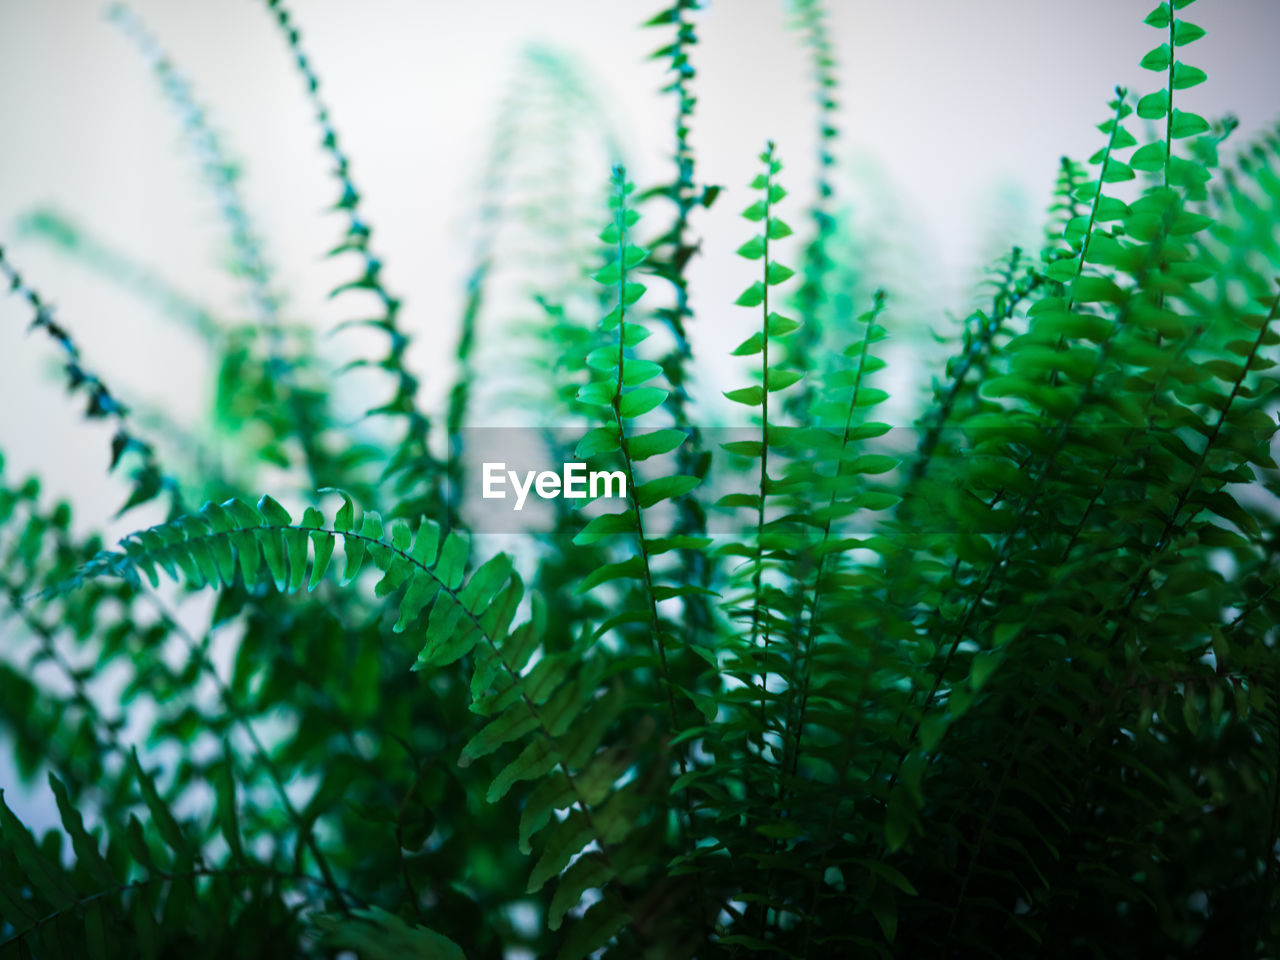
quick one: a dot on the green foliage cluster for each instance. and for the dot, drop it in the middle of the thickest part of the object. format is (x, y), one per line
(1001, 683)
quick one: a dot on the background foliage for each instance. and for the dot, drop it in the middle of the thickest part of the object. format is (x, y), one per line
(1001, 682)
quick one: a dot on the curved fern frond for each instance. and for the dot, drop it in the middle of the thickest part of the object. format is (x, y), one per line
(1076, 377)
(222, 541)
(413, 467)
(554, 702)
(671, 251)
(1080, 231)
(148, 479)
(304, 409)
(669, 258)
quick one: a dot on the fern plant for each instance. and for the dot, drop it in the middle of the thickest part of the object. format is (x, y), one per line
(1001, 681)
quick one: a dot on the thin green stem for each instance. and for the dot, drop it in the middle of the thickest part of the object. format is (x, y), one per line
(305, 834)
(1168, 117)
(764, 458)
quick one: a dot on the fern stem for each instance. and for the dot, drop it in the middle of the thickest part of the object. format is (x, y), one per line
(642, 549)
(1168, 117)
(1117, 116)
(815, 605)
(305, 834)
(812, 627)
(764, 457)
(621, 190)
(1094, 202)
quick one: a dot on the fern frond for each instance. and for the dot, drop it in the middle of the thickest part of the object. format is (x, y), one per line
(669, 259)
(1003, 685)
(833, 452)
(1064, 209)
(148, 478)
(304, 409)
(626, 396)
(982, 328)
(263, 544)
(1159, 156)
(670, 253)
(774, 377)
(413, 465)
(79, 911)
